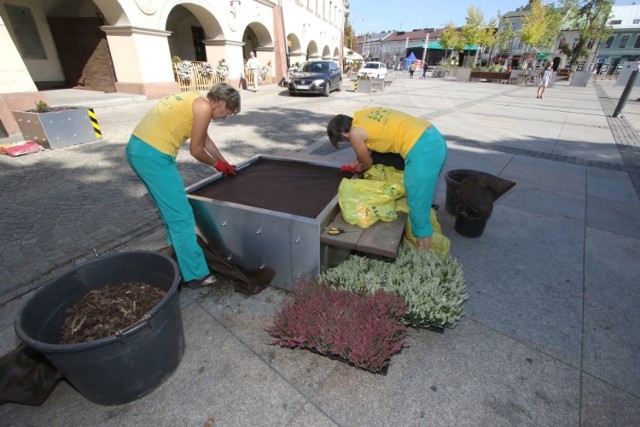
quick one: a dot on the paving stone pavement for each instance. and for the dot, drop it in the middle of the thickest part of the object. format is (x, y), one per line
(549, 335)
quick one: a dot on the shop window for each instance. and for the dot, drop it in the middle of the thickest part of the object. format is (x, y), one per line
(636, 45)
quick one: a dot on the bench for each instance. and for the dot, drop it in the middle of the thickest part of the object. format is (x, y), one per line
(490, 76)
(382, 238)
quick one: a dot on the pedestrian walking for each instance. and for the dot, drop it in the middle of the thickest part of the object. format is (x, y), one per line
(152, 151)
(254, 69)
(412, 69)
(545, 77)
(424, 69)
(420, 144)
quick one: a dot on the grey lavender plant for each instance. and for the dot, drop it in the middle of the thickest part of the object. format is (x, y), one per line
(431, 284)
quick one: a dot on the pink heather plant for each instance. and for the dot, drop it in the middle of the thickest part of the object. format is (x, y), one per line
(364, 329)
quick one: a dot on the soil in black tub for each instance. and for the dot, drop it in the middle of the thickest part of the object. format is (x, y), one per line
(103, 312)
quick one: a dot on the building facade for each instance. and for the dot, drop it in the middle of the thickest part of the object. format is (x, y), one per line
(128, 45)
(623, 44)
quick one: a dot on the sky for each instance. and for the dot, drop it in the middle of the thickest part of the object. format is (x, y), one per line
(405, 15)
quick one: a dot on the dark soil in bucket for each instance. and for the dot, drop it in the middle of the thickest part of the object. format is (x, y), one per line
(103, 312)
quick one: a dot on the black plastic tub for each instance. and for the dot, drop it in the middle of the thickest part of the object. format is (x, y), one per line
(470, 226)
(120, 368)
(454, 179)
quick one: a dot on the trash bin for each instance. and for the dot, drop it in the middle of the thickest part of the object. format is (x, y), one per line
(119, 368)
(469, 226)
(454, 179)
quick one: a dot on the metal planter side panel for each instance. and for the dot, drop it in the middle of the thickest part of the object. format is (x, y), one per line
(57, 129)
(255, 238)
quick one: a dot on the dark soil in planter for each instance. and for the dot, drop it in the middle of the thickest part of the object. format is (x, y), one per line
(51, 109)
(102, 313)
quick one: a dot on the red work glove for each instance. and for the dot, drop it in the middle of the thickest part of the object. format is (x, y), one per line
(349, 168)
(225, 168)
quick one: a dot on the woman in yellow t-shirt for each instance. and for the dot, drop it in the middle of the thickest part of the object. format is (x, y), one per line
(420, 144)
(152, 151)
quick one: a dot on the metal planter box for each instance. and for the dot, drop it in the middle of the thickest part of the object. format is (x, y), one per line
(57, 129)
(255, 237)
(369, 85)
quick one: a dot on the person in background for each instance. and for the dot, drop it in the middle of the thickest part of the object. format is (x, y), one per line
(422, 146)
(545, 77)
(412, 69)
(254, 68)
(152, 151)
(424, 70)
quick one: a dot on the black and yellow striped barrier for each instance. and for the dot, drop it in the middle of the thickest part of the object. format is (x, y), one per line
(94, 123)
(355, 86)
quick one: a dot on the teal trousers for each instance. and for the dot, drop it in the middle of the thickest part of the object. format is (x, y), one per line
(422, 167)
(159, 173)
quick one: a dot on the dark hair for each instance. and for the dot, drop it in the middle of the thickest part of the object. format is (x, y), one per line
(227, 93)
(337, 126)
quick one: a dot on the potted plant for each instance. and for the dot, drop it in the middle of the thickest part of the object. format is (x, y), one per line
(360, 328)
(57, 127)
(363, 84)
(430, 283)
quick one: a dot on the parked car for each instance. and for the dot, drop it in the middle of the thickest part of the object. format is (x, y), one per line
(320, 77)
(373, 70)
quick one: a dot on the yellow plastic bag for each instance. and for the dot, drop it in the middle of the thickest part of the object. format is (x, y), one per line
(439, 242)
(363, 202)
(388, 174)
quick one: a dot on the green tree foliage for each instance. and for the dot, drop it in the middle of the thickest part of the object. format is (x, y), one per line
(476, 31)
(589, 18)
(504, 35)
(534, 24)
(451, 39)
(348, 35)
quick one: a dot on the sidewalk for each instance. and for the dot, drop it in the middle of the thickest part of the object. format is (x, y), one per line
(549, 336)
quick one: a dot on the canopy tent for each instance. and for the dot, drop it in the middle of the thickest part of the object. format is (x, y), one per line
(351, 55)
(409, 59)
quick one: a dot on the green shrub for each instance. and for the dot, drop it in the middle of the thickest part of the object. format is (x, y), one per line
(431, 284)
(42, 107)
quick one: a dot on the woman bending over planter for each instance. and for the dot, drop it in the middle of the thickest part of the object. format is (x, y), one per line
(152, 152)
(420, 144)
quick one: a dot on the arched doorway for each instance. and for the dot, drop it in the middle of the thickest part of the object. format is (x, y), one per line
(81, 45)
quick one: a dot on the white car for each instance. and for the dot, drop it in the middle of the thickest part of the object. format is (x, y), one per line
(373, 70)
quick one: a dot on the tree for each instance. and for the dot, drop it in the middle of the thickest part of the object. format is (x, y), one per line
(589, 18)
(475, 31)
(505, 35)
(451, 38)
(348, 36)
(534, 24)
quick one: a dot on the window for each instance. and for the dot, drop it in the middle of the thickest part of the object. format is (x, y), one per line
(608, 43)
(636, 45)
(623, 41)
(615, 22)
(636, 21)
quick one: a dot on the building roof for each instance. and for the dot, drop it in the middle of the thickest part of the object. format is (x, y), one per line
(625, 17)
(414, 34)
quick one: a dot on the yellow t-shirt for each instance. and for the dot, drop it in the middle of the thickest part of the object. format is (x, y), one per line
(168, 124)
(390, 131)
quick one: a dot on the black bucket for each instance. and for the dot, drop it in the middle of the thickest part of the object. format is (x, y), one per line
(470, 226)
(120, 368)
(454, 179)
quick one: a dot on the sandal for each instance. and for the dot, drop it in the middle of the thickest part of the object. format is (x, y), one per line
(201, 283)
